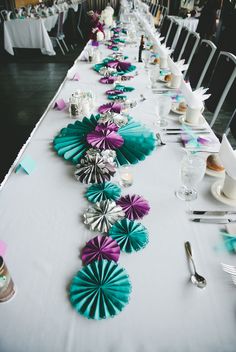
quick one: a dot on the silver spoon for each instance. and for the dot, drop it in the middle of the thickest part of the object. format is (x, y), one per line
(196, 279)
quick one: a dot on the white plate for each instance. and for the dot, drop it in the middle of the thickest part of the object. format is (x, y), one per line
(175, 110)
(162, 79)
(199, 124)
(168, 85)
(216, 190)
(214, 173)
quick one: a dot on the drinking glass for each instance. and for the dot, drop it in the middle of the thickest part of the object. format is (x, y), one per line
(154, 75)
(126, 176)
(162, 109)
(146, 54)
(192, 170)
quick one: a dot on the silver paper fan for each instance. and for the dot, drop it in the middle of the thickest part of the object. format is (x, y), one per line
(102, 215)
(118, 119)
(96, 167)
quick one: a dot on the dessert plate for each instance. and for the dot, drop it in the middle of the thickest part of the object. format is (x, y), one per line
(213, 173)
(168, 85)
(201, 122)
(174, 108)
(216, 190)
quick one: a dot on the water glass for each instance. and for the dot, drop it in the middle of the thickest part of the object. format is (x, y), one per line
(146, 54)
(192, 171)
(154, 75)
(162, 109)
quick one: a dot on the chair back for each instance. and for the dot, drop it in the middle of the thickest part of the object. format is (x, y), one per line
(172, 33)
(155, 9)
(223, 77)
(200, 63)
(232, 124)
(165, 26)
(3, 14)
(180, 43)
(190, 46)
(60, 24)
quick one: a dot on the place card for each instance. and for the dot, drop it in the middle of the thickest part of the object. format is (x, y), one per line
(60, 104)
(27, 165)
(76, 77)
(3, 248)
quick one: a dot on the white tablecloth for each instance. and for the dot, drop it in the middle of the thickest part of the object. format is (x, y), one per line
(29, 34)
(41, 223)
(189, 22)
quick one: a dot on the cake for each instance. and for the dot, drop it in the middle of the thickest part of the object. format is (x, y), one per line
(214, 163)
(168, 78)
(182, 107)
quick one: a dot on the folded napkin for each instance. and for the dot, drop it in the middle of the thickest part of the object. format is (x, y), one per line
(194, 99)
(163, 51)
(178, 67)
(228, 157)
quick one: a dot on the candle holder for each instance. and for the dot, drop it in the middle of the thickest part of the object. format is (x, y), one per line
(126, 176)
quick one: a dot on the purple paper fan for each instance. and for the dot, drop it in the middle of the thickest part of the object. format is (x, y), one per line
(105, 137)
(119, 65)
(107, 80)
(113, 107)
(114, 92)
(135, 206)
(100, 247)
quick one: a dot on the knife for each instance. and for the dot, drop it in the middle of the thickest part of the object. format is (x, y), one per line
(213, 212)
(213, 221)
(181, 129)
(182, 132)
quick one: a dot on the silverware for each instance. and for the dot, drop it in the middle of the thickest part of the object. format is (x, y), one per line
(159, 140)
(182, 132)
(181, 129)
(213, 212)
(196, 279)
(213, 221)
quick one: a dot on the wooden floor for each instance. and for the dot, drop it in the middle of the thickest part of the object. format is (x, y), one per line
(26, 89)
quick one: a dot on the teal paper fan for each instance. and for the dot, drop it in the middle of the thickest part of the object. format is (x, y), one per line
(100, 290)
(139, 142)
(130, 235)
(103, 191)
(71, 143)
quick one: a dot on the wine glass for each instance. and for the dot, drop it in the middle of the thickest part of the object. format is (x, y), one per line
(162, 109)
(192, 169)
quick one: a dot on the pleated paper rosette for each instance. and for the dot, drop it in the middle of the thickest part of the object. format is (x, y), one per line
(130, 235)
(72, 143)
(103, 191)
(102, 215)
(100, 290)
(101, 247)
(134, 206)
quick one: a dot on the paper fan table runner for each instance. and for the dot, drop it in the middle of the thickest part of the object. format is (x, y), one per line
(130, 235)
(103, 191)
(135, 206)
(100, 290)
(100, 247)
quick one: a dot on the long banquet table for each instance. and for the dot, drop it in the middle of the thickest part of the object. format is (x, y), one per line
(42, 226)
